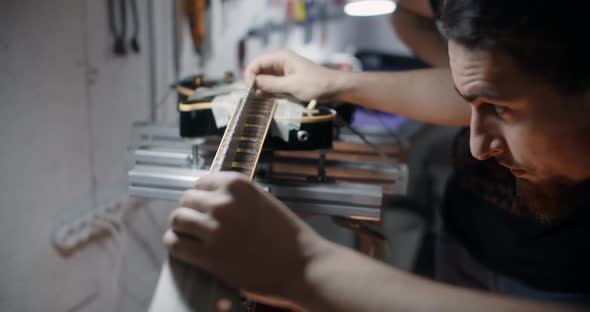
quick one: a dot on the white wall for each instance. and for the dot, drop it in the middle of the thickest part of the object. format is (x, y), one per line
(45, 150)
(66, 105)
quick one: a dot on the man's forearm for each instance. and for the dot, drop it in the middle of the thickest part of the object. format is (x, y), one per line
(426, 95)
(420, 34)
(340, 280)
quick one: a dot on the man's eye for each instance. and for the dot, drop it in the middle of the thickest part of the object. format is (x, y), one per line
(500, 110)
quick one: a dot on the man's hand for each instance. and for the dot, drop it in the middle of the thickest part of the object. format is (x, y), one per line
(229, 227)
(287, 72)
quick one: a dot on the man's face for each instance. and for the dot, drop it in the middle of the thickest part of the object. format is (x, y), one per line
(541, 135)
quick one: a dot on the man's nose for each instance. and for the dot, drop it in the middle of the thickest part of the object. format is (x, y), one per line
(485, 138)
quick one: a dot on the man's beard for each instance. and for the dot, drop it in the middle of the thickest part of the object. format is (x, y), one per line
(548, 202)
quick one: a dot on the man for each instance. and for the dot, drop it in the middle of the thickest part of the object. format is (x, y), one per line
(520, 78)
(473, 214)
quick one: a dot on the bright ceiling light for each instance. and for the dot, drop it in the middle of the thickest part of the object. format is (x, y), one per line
(369, 7)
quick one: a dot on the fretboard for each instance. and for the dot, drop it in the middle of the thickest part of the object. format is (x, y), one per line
(242, 142)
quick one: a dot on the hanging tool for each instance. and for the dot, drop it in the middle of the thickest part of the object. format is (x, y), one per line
(311, 15)
(299, 11)
(119, 31)
(290, 12)
(195, 12)
(134, 42)
(323, 17)
(242, 54)
(118, 26)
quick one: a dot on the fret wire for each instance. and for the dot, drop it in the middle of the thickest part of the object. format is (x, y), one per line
(258, 112)
(259, 129)
(254, 126)
(250, 139)
(263, 116)
(254, 119)
(245, 151)
(247, 144)
(265, 108)
(254, 132)
(260, 107)
(247, 165)
(261, 103)
(252, 150)
(245, 157)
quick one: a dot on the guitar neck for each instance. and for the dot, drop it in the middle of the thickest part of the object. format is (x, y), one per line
(182, 287)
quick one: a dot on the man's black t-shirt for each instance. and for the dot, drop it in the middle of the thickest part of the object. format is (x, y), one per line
(435, 4)
(546, 256)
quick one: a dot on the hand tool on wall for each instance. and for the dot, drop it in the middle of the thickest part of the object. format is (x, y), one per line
(195, 11)
(311, 15)
(117, 11)
(323, 16)
(242, 54)
(290, 11)
(118, 28)
(134, 41)
(299, 11)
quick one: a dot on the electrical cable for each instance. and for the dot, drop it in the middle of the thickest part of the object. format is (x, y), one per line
(162, 102)
(394, 135)
(377, 149)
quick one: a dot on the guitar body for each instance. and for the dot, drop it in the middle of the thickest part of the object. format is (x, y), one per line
(199, 123)
(316, 129)
(316, 132)
(187, 86)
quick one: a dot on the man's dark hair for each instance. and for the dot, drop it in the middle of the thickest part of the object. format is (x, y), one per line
(545, 38)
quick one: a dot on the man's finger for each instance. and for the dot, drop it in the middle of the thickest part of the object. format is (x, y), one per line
(271, 301)
(211, 182)
(272, 84)
(193, 223)
(272, 64)
(219, 180)
(197, 199)
(185, 249)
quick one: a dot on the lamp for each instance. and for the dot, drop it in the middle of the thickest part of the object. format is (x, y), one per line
(369, 7)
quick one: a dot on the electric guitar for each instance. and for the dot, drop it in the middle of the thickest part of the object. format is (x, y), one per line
(182, 287)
